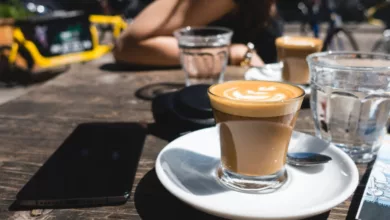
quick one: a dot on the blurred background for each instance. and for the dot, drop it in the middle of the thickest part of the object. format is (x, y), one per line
(357, 15)
(351, 10)
(342, 24)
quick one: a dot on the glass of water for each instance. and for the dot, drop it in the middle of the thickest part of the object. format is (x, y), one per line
(204, 53)
(350, 100)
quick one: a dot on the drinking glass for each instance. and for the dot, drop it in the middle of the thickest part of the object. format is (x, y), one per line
(350, 100)
(204, 53)
(292, 51)
(254, 132)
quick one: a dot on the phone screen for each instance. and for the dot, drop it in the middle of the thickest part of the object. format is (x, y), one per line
(95, 165)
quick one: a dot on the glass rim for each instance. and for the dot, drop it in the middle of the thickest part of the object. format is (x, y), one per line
(224, 30)
(310, 60)
(262, 102)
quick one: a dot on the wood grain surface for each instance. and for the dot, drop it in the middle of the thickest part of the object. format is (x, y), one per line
(33, 126)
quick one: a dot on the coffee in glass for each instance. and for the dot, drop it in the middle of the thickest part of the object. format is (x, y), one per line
(292, 51)
(255, 121)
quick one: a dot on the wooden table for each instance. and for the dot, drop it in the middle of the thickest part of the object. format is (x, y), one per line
(34, 125)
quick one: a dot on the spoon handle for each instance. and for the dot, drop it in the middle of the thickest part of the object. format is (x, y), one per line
(307, 158)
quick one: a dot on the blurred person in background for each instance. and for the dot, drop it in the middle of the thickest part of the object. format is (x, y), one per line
(149, 38)
(127, 8)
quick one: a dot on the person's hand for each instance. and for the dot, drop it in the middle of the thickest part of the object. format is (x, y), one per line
(237, 53)
(256, 60)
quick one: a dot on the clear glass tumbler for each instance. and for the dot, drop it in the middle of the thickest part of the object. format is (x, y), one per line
(350, 100)
(204, 53)
(255, 121)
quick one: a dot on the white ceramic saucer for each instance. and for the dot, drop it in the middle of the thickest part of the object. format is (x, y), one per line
(270, 72)
(186, 167)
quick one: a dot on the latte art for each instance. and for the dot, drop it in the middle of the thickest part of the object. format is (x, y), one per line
(263, 93)
(255, 98)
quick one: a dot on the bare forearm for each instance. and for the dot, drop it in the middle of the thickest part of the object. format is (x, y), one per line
(148, 39)
(164, 51)
(160, 51)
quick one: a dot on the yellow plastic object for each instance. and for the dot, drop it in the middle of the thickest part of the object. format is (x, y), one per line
(14, 53)
(371, 12)
(41, 61)
(97, 50)
(116, 21)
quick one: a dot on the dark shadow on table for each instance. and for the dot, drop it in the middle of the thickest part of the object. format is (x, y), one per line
(168, 132)
(149, 92)
(153, 201)
(306, 103)
(20, 77)
(95, 166)
(120, 67)
(356, 199)
(49, 74)
(164, 131)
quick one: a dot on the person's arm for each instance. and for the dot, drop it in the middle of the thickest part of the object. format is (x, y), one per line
(149, 40)
(160, 51)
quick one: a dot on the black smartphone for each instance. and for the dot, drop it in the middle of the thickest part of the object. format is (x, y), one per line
(95, 166)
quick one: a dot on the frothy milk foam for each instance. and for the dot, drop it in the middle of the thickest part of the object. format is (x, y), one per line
(255, 98)
(261, 94)
(298, 42)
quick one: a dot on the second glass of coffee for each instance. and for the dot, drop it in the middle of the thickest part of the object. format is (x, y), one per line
(292, 51)
(255, 120)
(204, 53)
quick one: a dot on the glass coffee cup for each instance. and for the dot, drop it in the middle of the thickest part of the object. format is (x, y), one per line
(292, 51)
(255, 120)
